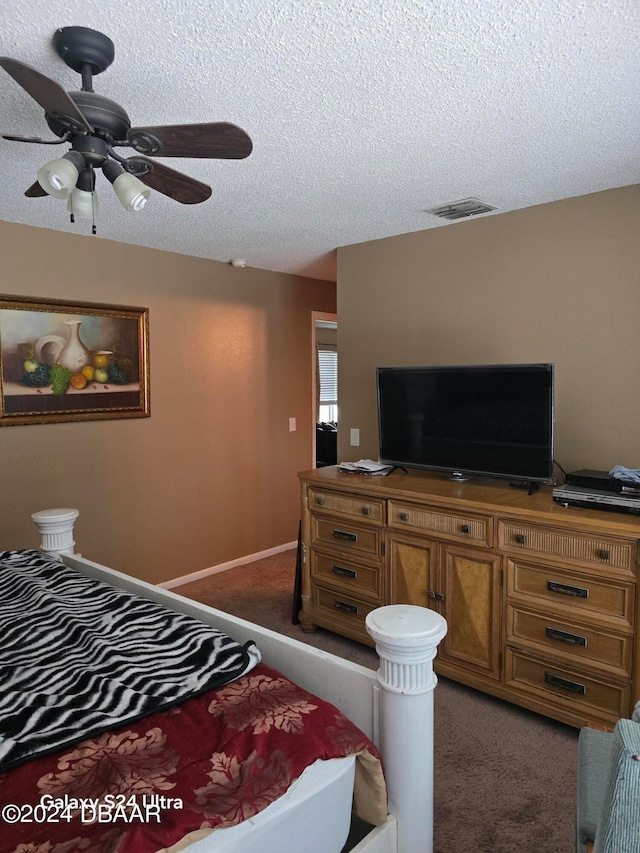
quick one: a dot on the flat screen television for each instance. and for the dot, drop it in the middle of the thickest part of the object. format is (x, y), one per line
(471, 420)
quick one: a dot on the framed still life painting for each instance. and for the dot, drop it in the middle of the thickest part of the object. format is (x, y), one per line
(66, 361)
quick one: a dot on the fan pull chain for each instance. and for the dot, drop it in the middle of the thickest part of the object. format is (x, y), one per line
(83, 195)
(94, 198)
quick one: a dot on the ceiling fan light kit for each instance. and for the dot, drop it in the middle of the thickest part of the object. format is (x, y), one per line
(95, 125)
(83, 200)
(131, 192)
(59, 177)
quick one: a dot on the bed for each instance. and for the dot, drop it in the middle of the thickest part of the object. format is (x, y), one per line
(392, 710)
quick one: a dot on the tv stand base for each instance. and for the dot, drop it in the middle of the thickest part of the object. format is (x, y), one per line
(525, 484)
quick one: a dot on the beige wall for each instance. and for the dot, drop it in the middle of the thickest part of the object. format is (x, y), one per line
(554, 283)
(211, 475)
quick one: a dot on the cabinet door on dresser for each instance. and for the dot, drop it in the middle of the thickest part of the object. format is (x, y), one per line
(412, 570)
(462, 584)
(470, 582)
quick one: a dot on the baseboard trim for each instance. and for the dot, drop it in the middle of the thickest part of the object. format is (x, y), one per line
(223, 567)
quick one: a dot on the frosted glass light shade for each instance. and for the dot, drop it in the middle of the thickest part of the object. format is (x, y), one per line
(83, 204)
(131, 192)
(59, 177)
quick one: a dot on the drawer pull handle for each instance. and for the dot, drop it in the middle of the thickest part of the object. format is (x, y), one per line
(320, 501)
(404, 516)
(521, 539)
(565, 684)
(438, 596)
(566, 637)
(345, 573)
(566, 589)
(342, 534)
(604, 554)
(465, 528)
(366, 510)
(346, 608)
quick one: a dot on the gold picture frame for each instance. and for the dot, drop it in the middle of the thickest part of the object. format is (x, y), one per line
(67, 361)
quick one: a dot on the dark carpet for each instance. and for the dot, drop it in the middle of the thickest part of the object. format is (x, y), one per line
(504, 777)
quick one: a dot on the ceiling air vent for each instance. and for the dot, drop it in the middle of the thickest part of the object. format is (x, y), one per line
(460, 209)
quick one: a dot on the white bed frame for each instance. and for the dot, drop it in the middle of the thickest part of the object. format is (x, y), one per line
(393, 707)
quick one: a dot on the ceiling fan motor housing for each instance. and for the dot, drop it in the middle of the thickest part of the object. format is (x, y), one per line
(108, 118)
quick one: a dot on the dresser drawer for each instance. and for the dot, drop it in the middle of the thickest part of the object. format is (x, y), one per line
(339, 608)
(608, 650)
(565, 686)
(347, 576)
(578, 596)
(457, 527)
(347, 506)
(617, 555)
(334, 534)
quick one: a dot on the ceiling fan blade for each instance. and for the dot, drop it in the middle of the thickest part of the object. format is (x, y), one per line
(167, 181)
(49, 94)
(35, 191)
(218, 140)
(64, 138)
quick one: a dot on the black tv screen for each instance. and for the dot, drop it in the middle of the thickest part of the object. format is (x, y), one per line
(484, 420)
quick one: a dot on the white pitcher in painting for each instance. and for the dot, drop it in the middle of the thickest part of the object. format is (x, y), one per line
(74, 354)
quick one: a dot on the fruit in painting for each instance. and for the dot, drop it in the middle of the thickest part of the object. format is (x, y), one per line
(78, 380)
(60, 378)
(39, 378)
(88, 371)
(101, 375)
(30, 366)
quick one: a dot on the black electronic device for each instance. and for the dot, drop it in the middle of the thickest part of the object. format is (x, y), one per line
(469, 420)
(590, 479)
(579, 496)
(602, 481)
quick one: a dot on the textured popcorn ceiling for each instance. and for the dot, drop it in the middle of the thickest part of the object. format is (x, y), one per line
(362, 114)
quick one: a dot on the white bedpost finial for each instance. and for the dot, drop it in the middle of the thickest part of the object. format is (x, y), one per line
(407, 638)
(56, 529)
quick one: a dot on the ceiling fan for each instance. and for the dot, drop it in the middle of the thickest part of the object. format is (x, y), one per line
(95, 126)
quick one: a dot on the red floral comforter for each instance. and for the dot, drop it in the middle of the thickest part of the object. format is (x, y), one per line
(211, 762)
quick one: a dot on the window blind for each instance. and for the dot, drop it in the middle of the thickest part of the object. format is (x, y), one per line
(328, 375)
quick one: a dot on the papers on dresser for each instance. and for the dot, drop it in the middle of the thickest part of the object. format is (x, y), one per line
(365, 466)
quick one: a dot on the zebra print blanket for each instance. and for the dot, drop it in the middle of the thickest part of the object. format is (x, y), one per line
(79, 657)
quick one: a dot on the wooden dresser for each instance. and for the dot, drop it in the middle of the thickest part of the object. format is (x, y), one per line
(540, 599)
